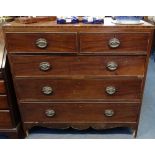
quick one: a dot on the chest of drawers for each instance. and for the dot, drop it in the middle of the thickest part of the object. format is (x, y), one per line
(79, 76)
(10, 124)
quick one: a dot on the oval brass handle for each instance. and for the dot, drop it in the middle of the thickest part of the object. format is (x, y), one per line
(44, 66)
(114, 43)
(49, 112)
(109, 112)
(47, 90)
(112, 65)
(41, 43)
(110, 90)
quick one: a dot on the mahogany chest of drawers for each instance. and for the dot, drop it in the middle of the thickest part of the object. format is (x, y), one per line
(10, 125)
(79, 76)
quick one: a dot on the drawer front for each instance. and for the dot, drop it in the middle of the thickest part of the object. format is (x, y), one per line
(79, 112)
(3, 102)
(80, 89)
(115, 43)
(5, 119)
(2, 87)
(77, 65)
(41, 42)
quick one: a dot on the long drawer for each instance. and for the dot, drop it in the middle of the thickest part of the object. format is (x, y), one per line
(3, 102)
(5, 119)
(62, 66)
(41, 42)
(110, 89)
(2, 87)
(114, 42)
(79, 112)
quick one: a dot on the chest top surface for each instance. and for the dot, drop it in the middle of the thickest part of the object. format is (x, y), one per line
(52, 26)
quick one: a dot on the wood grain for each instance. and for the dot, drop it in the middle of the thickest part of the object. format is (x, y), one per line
(84, 66)
(98, 42)
(5, 119)
(2, 87)
(127, 89)
(79, 112)
(52, 26)
(3, 102)
(26, 42)
(78, 55)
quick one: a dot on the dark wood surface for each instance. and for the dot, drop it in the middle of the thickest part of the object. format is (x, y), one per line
(127, 89)
(57, 42)
(78, 73)
(79, 112)
(13, 133)
(9, 114)
(81, 66)
(9, 125)
(3, 102)
(98, 42)
(5, 119)
(66, 42)
(2, 87)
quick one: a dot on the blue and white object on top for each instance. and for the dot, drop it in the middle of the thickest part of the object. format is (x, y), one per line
(67, 19)
(128, 19)
(93, 19)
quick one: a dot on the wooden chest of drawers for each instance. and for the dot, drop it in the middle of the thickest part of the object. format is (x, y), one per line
(10, 125)
(79, 76)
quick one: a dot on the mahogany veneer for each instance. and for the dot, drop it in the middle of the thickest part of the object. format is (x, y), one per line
(2, 87)
(57, 42)
(5, 119)
(3, 102)
(97, 42)
(84, 66)
(10, 124)
(80, 75)
(80, 112)
(127, 89)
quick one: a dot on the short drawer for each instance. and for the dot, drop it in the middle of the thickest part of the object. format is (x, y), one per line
(79, 89)
(114, 42)
(5, 119)
(79, 112)
(3, 102)
(41, 42)
(2, 87)
(62, 66)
